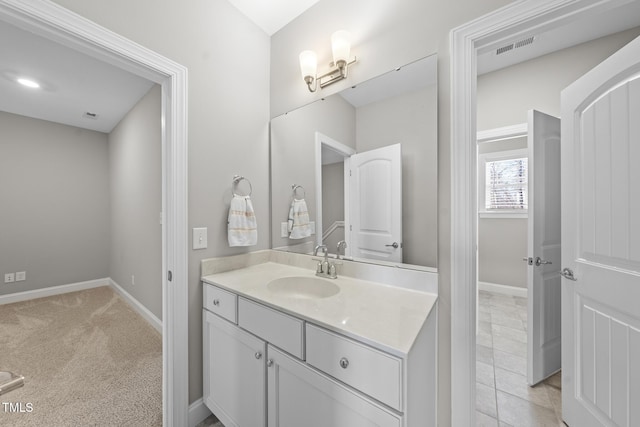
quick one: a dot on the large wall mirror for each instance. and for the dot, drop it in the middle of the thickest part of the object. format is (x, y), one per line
(364, 164)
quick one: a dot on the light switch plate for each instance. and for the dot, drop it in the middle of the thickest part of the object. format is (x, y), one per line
(200, 238)
(21, 276)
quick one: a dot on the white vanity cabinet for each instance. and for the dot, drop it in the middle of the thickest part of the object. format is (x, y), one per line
(234, 383)
(301, 396)
(264, 367)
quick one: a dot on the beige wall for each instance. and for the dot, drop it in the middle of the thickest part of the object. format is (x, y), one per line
(135, 174)
(227, 57)
(54, 188)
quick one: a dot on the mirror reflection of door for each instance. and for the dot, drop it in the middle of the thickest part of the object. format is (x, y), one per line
(375, 220)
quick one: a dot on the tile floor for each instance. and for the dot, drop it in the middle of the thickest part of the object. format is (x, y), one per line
(503, 397)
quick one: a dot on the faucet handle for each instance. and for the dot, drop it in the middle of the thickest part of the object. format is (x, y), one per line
(332, 271)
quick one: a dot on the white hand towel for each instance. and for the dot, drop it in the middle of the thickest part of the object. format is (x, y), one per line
(298, 225)
(242, 227)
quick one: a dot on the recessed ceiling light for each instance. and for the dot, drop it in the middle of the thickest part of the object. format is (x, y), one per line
(28, 83)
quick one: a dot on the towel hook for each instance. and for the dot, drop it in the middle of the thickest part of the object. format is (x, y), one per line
(295, 187)
(236, 181)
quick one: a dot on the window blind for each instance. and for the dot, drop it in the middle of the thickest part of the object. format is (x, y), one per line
(506, 184)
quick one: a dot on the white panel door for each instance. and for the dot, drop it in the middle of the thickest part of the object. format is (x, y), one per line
(543, 278)
(601, 244)
(376, 204)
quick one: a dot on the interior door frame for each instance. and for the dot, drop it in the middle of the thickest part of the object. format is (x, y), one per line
(516, 19)
(56, 23)
(346, 152)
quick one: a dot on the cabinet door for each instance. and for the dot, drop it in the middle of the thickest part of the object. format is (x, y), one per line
(234, 373)
(301, 396)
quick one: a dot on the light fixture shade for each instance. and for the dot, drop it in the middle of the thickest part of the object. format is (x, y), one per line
(341, 46)
(308, 63)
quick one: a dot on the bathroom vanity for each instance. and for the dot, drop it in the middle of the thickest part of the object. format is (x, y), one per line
(282, 347)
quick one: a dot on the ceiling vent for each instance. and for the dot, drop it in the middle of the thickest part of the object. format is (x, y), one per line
(516, 45)
(90, 115)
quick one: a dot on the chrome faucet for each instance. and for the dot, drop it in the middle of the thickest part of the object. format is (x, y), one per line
(341, 247)
(325, 268)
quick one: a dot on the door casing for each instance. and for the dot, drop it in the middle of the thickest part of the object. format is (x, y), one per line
(56, 23)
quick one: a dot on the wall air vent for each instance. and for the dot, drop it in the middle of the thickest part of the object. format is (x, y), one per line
(511, 46)
(525, 42)
(90, 115)
(504, 49)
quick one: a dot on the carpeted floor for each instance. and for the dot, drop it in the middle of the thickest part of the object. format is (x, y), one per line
(88, 360)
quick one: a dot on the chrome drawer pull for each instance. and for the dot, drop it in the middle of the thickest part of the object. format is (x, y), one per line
(344, 363)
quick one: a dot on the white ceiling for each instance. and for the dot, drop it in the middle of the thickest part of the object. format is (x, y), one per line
(272, 15)
(72, 83)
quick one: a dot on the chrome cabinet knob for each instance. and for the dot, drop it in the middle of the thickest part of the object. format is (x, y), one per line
(216, 302)
(258, 355)
(270, 363)
(344, 363)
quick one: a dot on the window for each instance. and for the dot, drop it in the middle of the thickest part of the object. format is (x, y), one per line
(503, 183)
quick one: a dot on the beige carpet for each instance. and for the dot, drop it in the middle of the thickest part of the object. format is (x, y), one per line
(88, 360)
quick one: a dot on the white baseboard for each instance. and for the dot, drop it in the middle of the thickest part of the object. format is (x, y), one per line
(198, 411)
(137, 306)
(53, 290)
(503, 289)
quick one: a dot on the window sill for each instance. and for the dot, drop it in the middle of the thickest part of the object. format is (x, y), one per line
(503, 215)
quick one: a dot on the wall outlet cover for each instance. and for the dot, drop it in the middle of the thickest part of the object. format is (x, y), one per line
(21, 276)
(9, 278)
(284, 229)
(200, 238)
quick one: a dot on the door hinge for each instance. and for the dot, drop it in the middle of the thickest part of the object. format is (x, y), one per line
(169, 276)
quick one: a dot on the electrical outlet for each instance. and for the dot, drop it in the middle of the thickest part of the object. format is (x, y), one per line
(9, 278)
(21, 276)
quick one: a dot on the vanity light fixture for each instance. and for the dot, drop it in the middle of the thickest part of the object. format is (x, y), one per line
(341, 47)
(28, 83)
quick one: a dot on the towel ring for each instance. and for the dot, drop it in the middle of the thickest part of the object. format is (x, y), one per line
(295, 187)
(236, 181)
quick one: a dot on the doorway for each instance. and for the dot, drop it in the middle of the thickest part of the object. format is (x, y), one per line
(512, 21)
(54, 22)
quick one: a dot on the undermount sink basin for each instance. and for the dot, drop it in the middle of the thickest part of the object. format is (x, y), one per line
(303, 287)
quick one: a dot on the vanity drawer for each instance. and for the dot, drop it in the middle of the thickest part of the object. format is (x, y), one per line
(221, 302)
(279, 329)
(369, 370)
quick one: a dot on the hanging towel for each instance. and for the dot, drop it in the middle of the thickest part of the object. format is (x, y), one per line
(298, 225)
(242, 227)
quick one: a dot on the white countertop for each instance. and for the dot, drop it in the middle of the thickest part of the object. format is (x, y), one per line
(385, 316)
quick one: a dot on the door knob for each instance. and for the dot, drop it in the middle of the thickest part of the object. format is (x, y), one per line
(567, 273)
(394, 245)
(540, 261)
